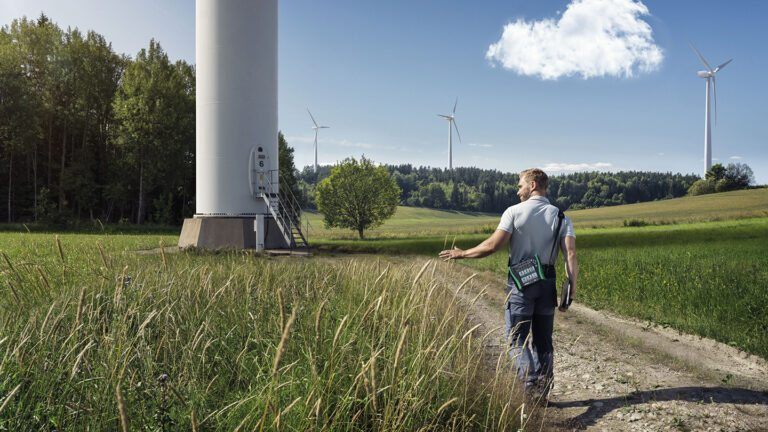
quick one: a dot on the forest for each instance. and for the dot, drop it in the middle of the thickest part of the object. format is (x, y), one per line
(87, 133)
(475, 189)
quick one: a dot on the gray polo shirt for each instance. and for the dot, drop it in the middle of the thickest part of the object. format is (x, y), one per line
(532, 224)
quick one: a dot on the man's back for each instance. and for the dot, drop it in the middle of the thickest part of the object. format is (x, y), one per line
(532, 225)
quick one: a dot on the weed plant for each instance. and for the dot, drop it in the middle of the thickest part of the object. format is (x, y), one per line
(96, 338)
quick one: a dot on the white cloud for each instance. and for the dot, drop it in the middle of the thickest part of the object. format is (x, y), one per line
(592, 38)
(736, 157)
(561, 166)
(479, 145)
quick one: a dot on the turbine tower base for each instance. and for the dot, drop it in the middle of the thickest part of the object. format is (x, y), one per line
(211, 232)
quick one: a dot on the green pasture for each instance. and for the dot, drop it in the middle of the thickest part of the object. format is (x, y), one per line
(98, 333)
(707, 278)
(739, 204)
(411, 222)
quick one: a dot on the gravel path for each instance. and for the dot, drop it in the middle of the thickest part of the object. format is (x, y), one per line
(618, 374)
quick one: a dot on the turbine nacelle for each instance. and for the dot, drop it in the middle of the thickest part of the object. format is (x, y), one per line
(704, 74)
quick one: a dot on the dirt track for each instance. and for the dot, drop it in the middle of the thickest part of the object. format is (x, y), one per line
(617, 374)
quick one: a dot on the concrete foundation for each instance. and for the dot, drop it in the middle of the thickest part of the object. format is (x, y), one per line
(228, 232)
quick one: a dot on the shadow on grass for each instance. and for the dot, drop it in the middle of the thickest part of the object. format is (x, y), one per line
(598, 408)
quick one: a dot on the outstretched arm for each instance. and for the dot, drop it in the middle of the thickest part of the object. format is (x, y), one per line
(496, 241)
(568, 246)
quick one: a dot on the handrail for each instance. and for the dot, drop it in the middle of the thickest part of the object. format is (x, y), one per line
(298, 216)
(288, 211)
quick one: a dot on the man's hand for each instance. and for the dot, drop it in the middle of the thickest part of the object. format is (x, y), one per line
(450, 254)
(496, 241)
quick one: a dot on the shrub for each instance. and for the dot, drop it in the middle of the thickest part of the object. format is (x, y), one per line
(635, 222)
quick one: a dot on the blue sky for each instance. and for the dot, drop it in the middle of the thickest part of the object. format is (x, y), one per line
(378, 73)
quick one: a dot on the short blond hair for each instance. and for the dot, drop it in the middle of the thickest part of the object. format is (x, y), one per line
(538, 176)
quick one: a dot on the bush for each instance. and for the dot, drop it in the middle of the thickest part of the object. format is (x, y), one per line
(486, 229)
(702, 187)
(635, 222)
(723, 179)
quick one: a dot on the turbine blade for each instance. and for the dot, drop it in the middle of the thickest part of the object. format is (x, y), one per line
(722, 65)
(310, 116)
(699, 54)
(457, 130)
(323, 127)
(454, 105)
(714, 88)
(444, 116)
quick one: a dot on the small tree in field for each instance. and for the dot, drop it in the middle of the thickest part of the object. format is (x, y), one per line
(357, 195)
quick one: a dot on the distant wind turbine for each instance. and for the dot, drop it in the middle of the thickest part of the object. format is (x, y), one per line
(451, 125)
(316, 127)
(707, 75)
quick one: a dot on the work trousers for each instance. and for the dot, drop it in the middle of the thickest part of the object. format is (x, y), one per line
(530, 316)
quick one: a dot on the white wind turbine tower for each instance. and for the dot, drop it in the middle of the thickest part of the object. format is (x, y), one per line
(708, 75)
(451, 125)
(316, 127)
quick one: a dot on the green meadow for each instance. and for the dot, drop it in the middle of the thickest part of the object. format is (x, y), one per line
(98, 333)
(413, 221)
(740, 204)
(708, 279)
(409, 222)
(705, 278)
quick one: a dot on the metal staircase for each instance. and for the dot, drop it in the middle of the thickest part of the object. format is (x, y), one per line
(285, 209)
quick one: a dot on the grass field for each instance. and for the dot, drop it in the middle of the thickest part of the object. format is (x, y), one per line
(703, 208)
(411, 222)
(89, 323)
(94, 335)
(707, 278)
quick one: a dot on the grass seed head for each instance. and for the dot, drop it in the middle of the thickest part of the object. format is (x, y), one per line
(121, 409)
(283, 341)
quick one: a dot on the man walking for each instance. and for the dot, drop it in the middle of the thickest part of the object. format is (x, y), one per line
(530, 229)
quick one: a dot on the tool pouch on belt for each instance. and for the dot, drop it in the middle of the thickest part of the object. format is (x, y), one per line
(529, 271)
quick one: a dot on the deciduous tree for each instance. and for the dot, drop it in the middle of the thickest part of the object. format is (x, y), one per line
(357, 195)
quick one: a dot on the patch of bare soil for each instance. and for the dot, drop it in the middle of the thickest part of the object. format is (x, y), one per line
(619, 374)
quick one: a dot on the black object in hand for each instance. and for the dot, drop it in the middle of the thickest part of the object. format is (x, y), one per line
(565, 296)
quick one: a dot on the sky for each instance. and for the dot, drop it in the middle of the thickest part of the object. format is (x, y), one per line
(564, 85)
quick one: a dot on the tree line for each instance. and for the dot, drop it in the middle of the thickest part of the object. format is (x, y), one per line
(89, 133)
(476, 189)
